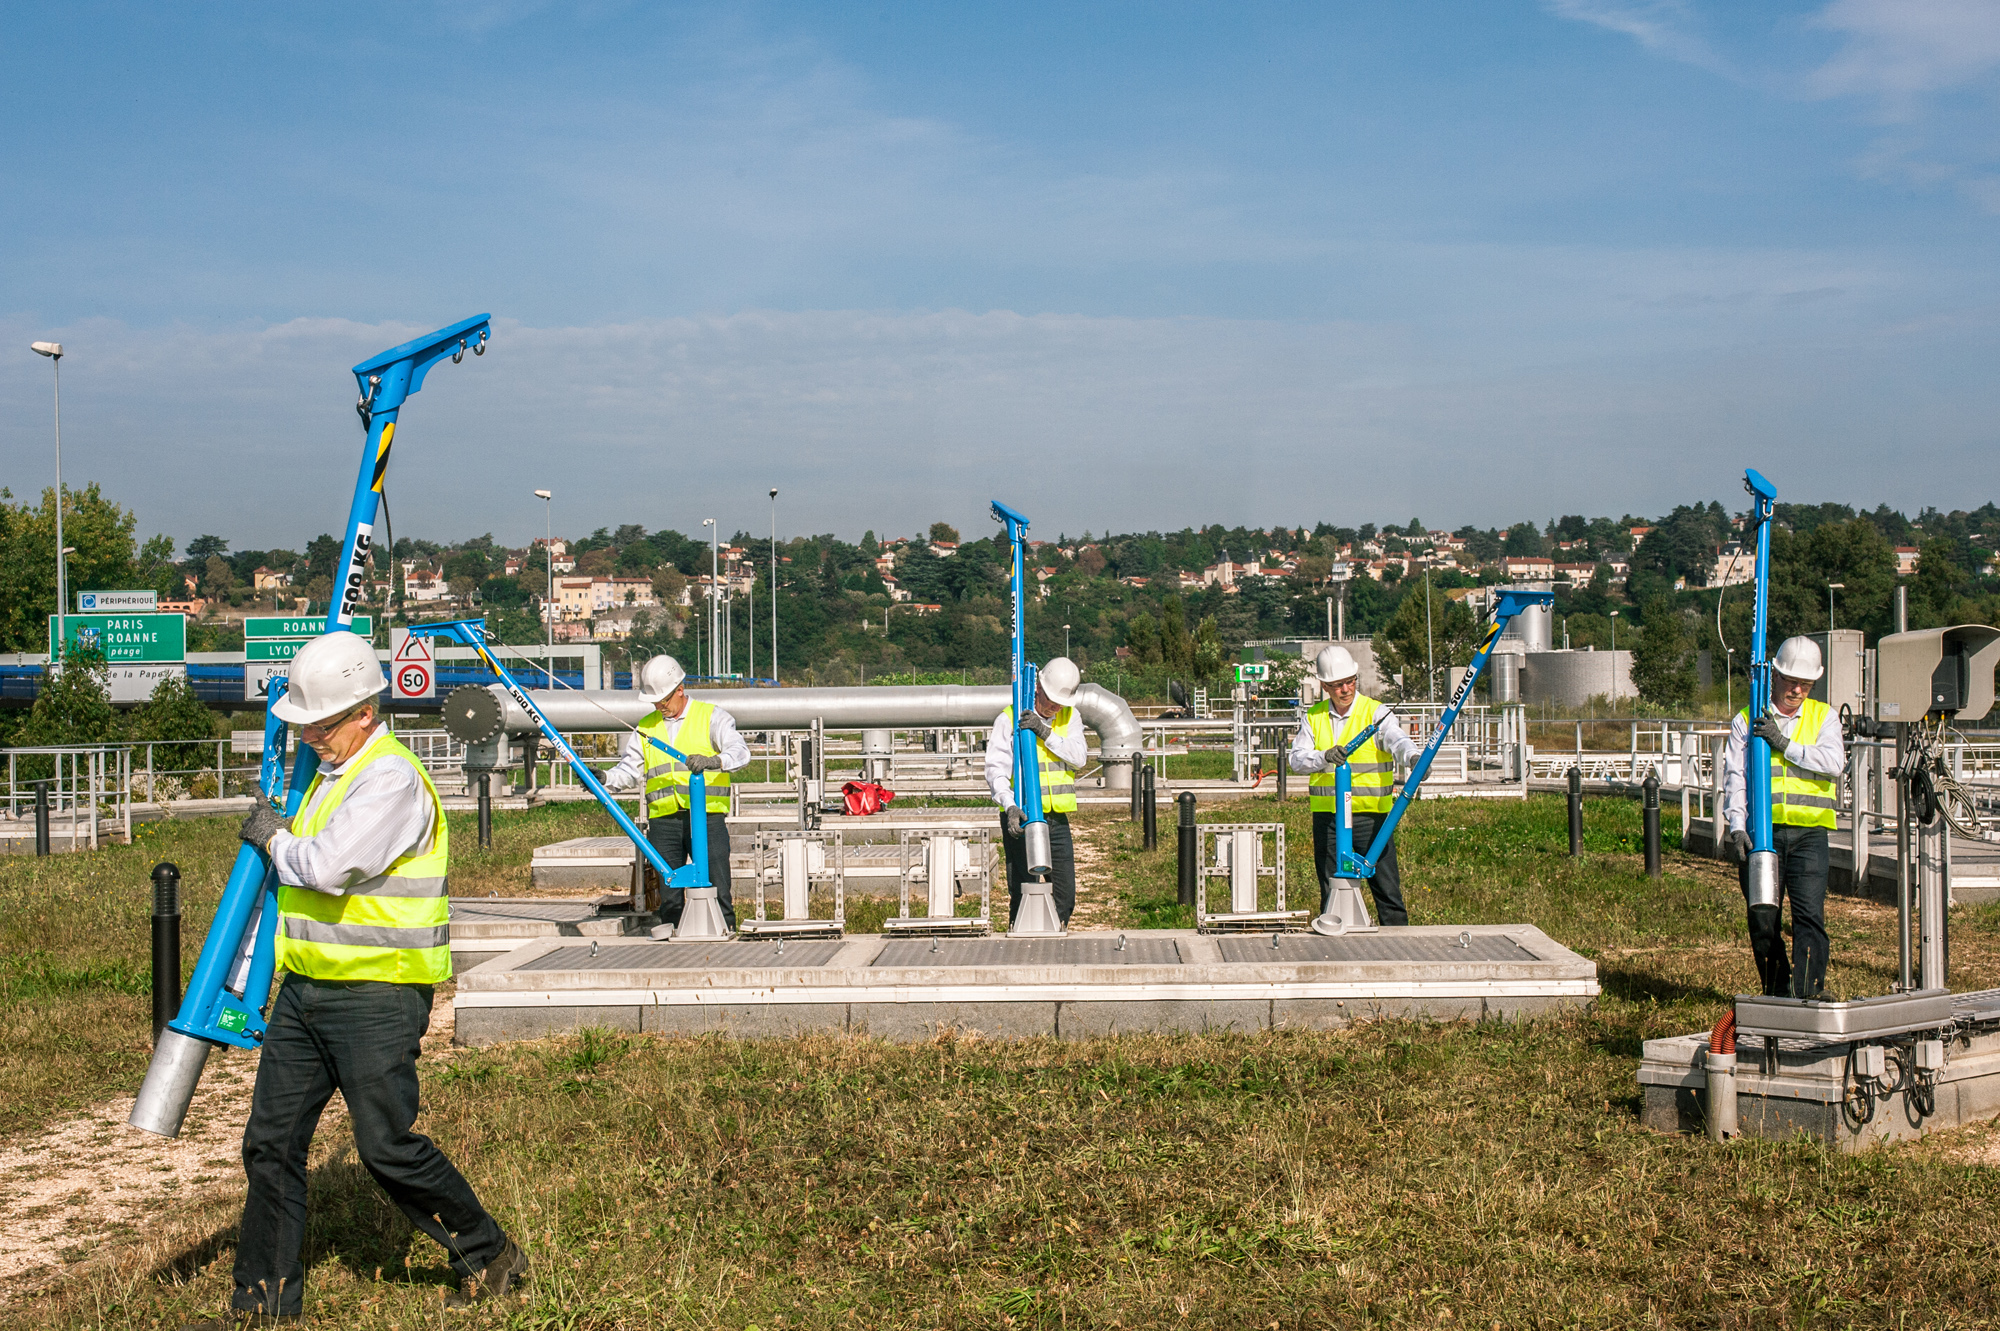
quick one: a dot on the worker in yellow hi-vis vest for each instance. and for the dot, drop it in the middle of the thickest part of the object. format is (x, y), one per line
(1327, 727)
(708, 736)
(363, 937)
(1808, 756)
(1060, 742)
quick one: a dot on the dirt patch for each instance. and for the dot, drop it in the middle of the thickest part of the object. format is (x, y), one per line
(1098, 903)
(92, 1183)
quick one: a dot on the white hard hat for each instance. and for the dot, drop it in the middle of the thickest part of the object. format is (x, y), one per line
(1799, 658)
(1334, 664)
(659, 677)
(330, 674)
(1060, 679)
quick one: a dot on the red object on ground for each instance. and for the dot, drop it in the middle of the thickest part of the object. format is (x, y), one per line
(1722, 1040)
(865, 797)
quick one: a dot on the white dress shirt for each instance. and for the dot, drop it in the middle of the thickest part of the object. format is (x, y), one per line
(1825, 753)
(1307, 756)
(385, 816)
(1072, 751)
(630, 773)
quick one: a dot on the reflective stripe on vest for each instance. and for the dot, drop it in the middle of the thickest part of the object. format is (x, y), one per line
(667, 778)
(1372, 768)
(1799, 797)
(395, 926)
(1058, 778)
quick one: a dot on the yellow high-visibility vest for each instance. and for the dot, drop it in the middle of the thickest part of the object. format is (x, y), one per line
(1802, 798)
(667, 778)
(1372, 768)
(395, 926)
(1058, 780)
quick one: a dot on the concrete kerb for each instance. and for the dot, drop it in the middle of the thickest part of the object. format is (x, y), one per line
(510, 998)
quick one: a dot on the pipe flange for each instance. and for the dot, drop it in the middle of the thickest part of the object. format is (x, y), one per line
(472, 715)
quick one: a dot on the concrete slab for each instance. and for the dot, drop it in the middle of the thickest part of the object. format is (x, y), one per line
(486, 927)
(1809, 1086)
(1082, 985)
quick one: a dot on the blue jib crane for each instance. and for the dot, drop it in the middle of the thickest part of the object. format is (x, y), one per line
(1347, 914)
(1757, 782)
(232, 978)
(1038, 918)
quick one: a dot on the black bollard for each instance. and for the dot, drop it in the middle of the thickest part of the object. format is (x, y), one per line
(485, 810)
(1190, 849)
(41, 818)
(166, 945)
(1149, 809)
(1138, 782)
(1575, 813)
(1284, 769)
(1652, 820)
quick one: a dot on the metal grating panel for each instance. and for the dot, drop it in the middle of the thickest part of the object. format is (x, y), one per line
(754, 955)
(1029, 952)
(1389, 945)
(466, 910)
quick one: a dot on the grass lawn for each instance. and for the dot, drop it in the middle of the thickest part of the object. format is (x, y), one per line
(1394, 1174)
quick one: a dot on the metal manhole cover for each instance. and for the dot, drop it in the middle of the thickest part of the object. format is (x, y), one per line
(759, 955)
(1389, 945)
(1029, 952)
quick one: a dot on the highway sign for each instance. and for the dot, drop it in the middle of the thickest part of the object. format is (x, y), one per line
(257, 677)
(299, 626)
(104, 602)
(283, 650)
(412, 673)
(133, 639)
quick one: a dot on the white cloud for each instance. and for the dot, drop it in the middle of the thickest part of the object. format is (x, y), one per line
(1898, 50)
(1666, 27)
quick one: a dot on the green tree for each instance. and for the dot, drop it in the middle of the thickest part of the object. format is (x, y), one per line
(943, 532)
(1663, 661)
(73, 706)
(1142, 635)
(174, 713)
(99, 531)
(1403, 647)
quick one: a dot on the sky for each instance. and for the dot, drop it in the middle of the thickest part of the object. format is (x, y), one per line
(1124, 266)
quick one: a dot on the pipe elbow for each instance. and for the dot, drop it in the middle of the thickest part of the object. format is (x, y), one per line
(1118, 734)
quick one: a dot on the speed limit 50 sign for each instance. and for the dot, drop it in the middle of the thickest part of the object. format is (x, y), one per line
(412, 671)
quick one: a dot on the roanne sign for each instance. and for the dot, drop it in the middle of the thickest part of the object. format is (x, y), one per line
(137, 639)
(299, 627)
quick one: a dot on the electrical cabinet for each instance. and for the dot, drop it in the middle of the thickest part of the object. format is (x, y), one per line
(1841, 685)
(1936, 670)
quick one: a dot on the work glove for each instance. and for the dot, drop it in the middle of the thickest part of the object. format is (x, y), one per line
(1013, 820)
(1768, 730)
(704, 762)
(1738, 844)
(1039, 724)
(262, 824)
(1335, 756)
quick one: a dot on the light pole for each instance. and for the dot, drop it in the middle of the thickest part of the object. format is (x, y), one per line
(774, 583)
(54, 351)
(1614, 660)
(714, 588)
(1065, 640)
(549, 566)
(1831, 588)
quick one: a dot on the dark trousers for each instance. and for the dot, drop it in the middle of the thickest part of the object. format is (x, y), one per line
(1802, 855)
(1062, 864)
(1387, 884)
(671, 836)
(359, 1037)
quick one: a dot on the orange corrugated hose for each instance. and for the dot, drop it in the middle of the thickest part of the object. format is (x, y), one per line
(1722, 1040)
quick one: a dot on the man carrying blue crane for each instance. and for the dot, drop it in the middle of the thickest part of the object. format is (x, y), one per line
(1342, 718)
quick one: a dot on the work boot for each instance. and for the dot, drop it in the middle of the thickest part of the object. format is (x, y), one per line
(498, 1277)
(237, 1320)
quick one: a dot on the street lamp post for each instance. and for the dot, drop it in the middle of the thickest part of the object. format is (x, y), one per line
(774, 583)
(1614, 660)
(1831, 588)
(1065, 640)
(714, 588)
(54, 351)
(549, 566)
